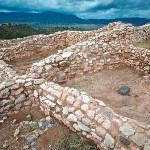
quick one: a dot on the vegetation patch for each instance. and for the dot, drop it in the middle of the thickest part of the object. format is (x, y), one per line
(14, 31)
(28, 128)
(73, 142)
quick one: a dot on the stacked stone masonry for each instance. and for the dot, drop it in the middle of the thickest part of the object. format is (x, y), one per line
(79, 53)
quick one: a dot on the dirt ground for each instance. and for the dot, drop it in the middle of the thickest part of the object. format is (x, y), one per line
(21, 65)
(46, 141)
(104, 85)
(108, 81)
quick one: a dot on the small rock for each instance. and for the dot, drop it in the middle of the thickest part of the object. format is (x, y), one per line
(31, 139)
(70, 99)
(146, 68)
(72, 118)
(58, 58)
(4, 93)
(35, 94)
(67, 54)
(86, 121)
(20, 99)
(5, 145)
(41, 63)
(48, 68)
(37, 134)
(33, 148)
(71, 109)
(26, 147)
(49, 103)
(124, 140)
(65, 111)
(20, 81)
(2, 86)
(127, 129)
(61, 77)
(14, 121)
(147, 146)
(29, 118)
(139, 139)
(143, 125)
(85, 107)
(94, 135)
(79, 114)
(38, 81)
(64, 64)
(109, 141)
(28, 84)
(18, 106)
(91, 114)
(58, 109)
(4, 102)
(76, 127)
(83, 127)
(124, 90)
(17, 131)
(100, 131)
(85, 98)
(106, 124)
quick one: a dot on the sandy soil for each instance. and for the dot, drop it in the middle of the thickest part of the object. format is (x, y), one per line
(104, 86)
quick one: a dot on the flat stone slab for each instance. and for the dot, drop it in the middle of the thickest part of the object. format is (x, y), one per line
(124, 90)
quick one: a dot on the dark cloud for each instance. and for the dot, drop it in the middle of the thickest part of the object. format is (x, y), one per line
(123, 5)
(82, 8)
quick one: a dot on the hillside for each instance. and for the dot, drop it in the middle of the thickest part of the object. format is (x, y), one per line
(13, 31)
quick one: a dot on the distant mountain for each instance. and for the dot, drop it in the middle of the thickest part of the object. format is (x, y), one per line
(50, 17)
(39, 18)
(134, 21)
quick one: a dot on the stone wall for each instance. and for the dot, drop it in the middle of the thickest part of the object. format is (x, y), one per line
(93, 119)
(30, 46)
(12, 50)
(41, 44)
(80, 112)
(5, 71)
(16, 95)
(109, 47)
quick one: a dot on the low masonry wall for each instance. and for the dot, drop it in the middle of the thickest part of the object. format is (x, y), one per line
(41, 44)
(16, 95)
(80, 112)
(31, 46)
(93, 119)
(5, 71)
(13, 50)
(110, 47)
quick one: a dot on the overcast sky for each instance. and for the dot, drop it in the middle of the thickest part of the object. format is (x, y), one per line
(95, 9)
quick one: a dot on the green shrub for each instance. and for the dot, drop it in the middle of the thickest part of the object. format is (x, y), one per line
(27, 128)
(73, 142)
